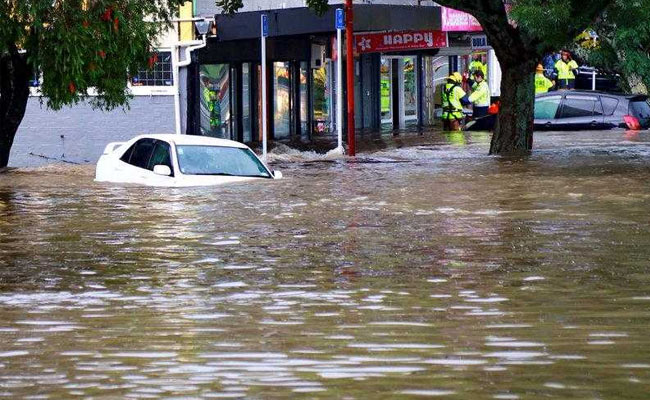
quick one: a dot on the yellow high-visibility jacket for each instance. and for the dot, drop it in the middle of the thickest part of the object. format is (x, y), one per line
(481, 94)
(565, 69)
(542, 83)
(451, 105)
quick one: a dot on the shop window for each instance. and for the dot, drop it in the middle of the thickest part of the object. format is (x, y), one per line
(321, 99)
(246, 102)
(159, 75)
(215, 100)
(410, 88)
(281, 100)
(386, 90)
(304, 103)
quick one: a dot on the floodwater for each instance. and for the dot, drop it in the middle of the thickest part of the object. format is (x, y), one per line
(427, 270)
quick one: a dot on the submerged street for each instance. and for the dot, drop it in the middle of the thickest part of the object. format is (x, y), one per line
(425, 270)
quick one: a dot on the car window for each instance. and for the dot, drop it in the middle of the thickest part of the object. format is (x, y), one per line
(598, 108)
(609, 105)
(160, 156)
(127, 155)
(141, 153)
(578, 106)
(640, 109)
(546, 107)
(218, 160)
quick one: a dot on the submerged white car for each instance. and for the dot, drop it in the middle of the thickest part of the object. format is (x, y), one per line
(180, 160)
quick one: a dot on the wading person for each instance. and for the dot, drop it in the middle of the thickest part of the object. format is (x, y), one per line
(565, 67)
(480, 96)
(542, 83)
(452, 109)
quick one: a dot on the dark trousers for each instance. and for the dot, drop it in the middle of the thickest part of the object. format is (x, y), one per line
(480, 112)
(566, 83)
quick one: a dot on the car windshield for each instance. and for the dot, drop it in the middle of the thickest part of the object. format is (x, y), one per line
(218, 160)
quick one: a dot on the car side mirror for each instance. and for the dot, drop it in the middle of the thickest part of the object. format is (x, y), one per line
(277, 174)
(163, 170)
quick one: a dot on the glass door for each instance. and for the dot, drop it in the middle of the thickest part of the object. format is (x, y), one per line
(215, 100)
(410, 93)
(281, 100)
(386, 90)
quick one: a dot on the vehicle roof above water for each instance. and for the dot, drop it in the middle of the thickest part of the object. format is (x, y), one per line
(189, 140)
(592, 92)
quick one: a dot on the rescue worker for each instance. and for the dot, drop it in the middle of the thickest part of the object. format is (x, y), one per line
(477, 65)
(480, 96)
(452, 109)
(542, 83)
(565, 67)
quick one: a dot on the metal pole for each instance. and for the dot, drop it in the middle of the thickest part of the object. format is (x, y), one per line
(264, 32)
(339, 88)
(349, 39)
(177, 95)
(593, 79)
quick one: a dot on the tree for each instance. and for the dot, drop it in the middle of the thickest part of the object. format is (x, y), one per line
(521, 32)
(541, 26)
(78, 46)
(624, 44)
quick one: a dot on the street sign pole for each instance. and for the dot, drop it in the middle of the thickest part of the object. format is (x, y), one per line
(264, 25)
(349, 43)
(340, 25)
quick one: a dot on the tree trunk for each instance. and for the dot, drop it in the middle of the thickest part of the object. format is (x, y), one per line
(513, 133)
(14, 93)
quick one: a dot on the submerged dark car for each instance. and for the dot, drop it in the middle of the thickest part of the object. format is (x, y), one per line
(577, 109)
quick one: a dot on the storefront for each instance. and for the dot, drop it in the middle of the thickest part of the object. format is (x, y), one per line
(396, 73)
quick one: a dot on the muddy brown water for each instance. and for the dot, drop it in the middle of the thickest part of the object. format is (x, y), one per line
(430, 270)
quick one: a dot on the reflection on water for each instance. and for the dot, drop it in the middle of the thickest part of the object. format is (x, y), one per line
(423, 271)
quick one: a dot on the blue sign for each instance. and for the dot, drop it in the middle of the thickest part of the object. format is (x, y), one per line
(340, 19)
(265, 25)
(479, 42)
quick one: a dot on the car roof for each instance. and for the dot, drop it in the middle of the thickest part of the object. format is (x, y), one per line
(193, 140)
(563, 93)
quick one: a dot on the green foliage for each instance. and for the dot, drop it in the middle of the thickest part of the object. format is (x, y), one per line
(546, 20)
(231, 6)
(624, 33)
(82, 45)
(556, 23)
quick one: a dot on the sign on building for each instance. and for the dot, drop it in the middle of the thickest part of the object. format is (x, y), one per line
(399, 41)
(458, 21)
(479, 42)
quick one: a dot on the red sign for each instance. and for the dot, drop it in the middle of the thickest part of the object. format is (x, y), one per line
(458, 21)
(399, 41)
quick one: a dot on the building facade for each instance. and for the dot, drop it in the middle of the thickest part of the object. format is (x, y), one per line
(403, 53)
(404, 50)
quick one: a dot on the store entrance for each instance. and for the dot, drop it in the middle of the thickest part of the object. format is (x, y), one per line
(398, 91)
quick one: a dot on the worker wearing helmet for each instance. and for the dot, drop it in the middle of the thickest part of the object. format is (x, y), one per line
(565, 67)
(452, 109)
(542, 83)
